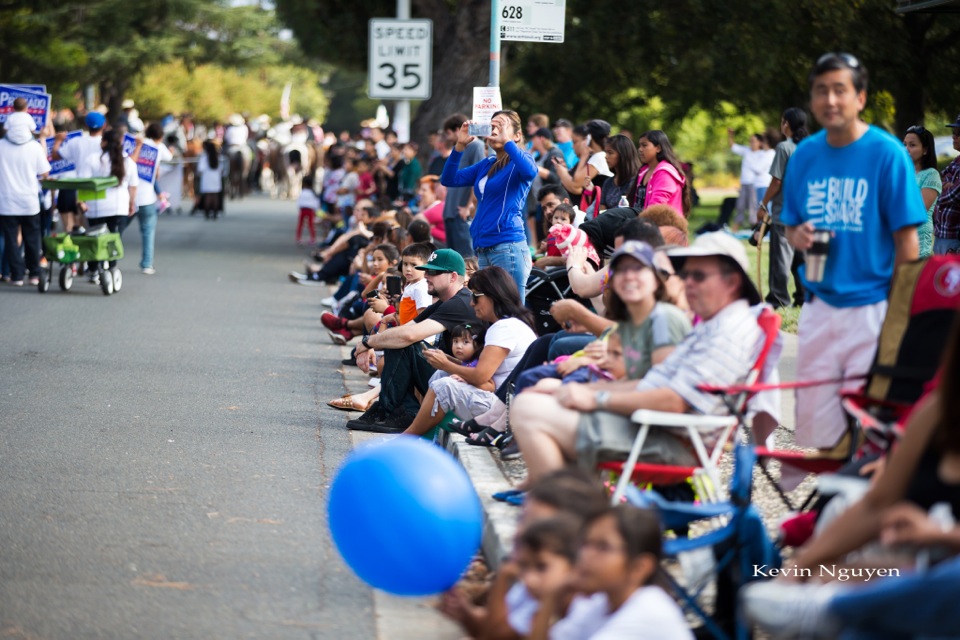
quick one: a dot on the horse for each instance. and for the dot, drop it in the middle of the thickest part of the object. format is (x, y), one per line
(239, 159)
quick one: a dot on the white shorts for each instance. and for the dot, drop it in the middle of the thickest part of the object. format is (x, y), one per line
(832, 343)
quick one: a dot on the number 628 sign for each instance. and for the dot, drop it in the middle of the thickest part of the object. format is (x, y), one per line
(401, 59)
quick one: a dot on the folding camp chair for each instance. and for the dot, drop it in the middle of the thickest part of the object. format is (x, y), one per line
(706, 475)
(924, 300)
(736, 541)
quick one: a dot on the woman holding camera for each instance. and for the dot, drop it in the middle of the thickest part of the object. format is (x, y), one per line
(501, 184)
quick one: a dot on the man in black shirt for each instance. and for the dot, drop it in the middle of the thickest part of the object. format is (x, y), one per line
(404, 367)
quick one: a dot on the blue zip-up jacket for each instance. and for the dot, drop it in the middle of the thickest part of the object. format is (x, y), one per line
(499, 217)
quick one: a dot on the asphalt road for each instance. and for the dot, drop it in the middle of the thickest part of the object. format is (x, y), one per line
(165, 452)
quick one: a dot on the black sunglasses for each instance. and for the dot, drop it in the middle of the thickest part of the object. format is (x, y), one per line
(476, 296)
(847, 59)
(919, 130)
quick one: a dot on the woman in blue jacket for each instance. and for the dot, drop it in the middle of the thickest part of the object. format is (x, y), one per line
(501, 184)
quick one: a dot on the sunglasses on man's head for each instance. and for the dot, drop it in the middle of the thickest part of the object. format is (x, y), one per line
(847, 59)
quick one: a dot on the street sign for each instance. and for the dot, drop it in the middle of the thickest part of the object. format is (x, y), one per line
(401, 59)
(532, 20)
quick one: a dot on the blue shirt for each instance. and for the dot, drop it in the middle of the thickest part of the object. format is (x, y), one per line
(862, 192)
(569, 155)
(500, 205)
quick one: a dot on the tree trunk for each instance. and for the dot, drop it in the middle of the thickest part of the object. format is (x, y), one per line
(909, 92)
(460, 63)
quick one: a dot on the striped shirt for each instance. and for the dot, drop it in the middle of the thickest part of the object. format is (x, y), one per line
(946, 216)
(718, 351)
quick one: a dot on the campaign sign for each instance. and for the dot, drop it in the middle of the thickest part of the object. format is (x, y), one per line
(35, 88)
(148, 159)
(61, 166)
(38, 104)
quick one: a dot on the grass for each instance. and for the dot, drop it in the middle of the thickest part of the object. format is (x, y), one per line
(707, 211)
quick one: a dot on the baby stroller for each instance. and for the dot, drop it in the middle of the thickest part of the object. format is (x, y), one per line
(544, 287)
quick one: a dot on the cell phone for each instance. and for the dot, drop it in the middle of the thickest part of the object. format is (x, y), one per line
(372, 294)
(589, 139)
(394, 285)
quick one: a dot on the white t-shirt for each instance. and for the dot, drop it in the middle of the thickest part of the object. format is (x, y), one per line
(417, 291)
(236, 135)
(755, 168)
(308, 200)
(76, 149)
(515, 336)
(117, 200)
(383, 149)
(211, 180)
(146, 194)
(648, 614)
(521, 609)
(20, 164)
(599, 161)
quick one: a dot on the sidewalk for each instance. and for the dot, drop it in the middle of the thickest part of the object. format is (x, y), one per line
(409, 619)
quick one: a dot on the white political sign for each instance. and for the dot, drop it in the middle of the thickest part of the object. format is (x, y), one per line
(486, 102)
(532, 20)
(400, 64)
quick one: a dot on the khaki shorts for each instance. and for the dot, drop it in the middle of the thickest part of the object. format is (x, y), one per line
(603, 436)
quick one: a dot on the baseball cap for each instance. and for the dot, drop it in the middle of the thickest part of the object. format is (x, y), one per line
(722, 244)
(95, 120)
(445, 260)
(543, 132)
(636, 249)
(955, 124)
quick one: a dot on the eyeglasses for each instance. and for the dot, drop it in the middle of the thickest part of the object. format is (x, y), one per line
(474, 296)
(695, 275)
(955, 133)
(847, 59)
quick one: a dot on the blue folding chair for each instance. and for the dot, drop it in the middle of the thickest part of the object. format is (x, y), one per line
(738, 541)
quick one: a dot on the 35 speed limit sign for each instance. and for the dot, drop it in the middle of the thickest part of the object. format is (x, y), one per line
(401, 59)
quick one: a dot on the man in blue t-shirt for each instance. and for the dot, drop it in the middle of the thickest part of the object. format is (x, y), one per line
(857, 182)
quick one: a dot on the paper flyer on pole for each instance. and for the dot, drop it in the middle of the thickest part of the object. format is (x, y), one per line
(58, 167)
(149, 155)
(38, 104)
(486, 102)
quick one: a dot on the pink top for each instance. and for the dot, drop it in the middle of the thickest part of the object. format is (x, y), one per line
(434, 215)
(665, 186)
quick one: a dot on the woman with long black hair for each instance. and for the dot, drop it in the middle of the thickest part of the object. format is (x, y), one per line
(211, 180)
(120, 201)
(624, 162)
(784, 260)
(661, 179)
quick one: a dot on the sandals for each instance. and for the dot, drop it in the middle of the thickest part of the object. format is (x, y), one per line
(345, 403)
(465, 427)
(490, 437)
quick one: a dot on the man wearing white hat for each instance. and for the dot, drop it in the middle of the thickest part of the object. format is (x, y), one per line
(588, 422)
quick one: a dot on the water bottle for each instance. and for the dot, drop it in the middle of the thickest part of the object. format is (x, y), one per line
(623, 201)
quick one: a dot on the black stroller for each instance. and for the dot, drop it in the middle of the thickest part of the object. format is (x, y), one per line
(544, 287)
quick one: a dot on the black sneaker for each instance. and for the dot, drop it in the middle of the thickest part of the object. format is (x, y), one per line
(349, 362)
(394, 423)
(369, 416)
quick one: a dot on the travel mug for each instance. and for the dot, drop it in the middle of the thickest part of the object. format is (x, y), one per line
(817, 255)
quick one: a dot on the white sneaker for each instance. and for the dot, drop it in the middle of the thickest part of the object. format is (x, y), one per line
(94, 278)
(329, 302)
(790, 609)
(148, 271)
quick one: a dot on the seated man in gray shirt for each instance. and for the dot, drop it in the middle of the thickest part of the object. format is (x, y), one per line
(587, 422)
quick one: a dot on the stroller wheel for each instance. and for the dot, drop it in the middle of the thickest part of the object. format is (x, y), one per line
(117, 279)
(66, 277)
(106, 282)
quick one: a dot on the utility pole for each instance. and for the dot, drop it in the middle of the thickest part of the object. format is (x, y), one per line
(401, 114)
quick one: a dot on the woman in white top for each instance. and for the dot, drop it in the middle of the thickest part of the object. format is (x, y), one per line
(211, 179)
(469, 391)
(120, 201)
(589, 141)
(754, 175)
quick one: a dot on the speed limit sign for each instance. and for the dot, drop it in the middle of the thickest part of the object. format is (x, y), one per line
(401, 59)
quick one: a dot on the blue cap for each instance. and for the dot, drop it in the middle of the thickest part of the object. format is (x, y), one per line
(95, 120)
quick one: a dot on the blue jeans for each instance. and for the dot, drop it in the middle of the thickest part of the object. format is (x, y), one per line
(943, 246)
(512, 257)
(147, 216)
(458, 236)
(567, 344)
(914, 605)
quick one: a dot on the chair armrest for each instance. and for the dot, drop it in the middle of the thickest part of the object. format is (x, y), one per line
(682, 420)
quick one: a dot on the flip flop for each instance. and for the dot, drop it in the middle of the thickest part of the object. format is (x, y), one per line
(466, 427)
(345, 403)
(503, 496)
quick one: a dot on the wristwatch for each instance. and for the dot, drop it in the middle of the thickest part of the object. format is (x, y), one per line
(602, 398)
(366, 342)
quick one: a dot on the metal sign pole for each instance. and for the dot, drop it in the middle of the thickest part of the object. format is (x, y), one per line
(401, 113)
(494, 43)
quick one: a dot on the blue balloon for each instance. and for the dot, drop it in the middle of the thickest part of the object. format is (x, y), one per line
(405, 517)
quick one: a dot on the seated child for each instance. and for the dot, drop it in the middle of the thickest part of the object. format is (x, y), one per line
(617, 562)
